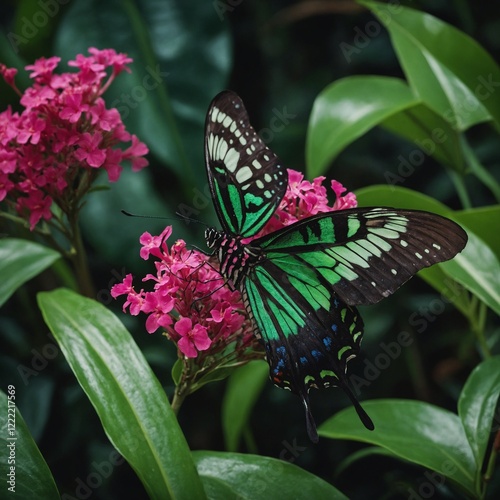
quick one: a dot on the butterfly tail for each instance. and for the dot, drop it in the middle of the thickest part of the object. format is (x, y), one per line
(363, 416)
(310, 423)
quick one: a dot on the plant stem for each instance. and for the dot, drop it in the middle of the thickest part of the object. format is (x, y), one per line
(179, 397)
(479, 170)
(79, 258)
(183, 389)
(492, 460)
(478, 322)
(458, 180)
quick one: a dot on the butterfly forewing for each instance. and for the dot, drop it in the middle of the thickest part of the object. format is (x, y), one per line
(246, 178)
(364, 254)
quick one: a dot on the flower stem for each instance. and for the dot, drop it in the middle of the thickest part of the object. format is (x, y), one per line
(179, 397)
(80, 262)
(183, 388)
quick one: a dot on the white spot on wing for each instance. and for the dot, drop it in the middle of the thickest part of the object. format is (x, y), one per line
(243, 174)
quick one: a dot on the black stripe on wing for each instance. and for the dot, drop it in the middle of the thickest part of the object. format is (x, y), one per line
(246, 178)
(365, 254)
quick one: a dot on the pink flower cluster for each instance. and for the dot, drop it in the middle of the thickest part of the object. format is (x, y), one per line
(190, 299)
(64, 127)
(303, 199)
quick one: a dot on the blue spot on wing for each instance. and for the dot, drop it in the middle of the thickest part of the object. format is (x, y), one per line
(316, 354)
(303, 360)
(281, 350)
(328, 341)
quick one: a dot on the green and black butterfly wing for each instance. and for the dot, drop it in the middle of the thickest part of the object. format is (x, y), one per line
(302, 294)
(246, 178)
(365, 254)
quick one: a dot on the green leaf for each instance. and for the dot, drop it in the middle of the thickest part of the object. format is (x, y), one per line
(446, 68)
(21, 260)
(177, 372)
(481, 220)
(242, 390)
(476, 407)
(253, 476)
(33, 478)
(216, 375)
(181, 61)
(415, 431)
(369, 451)
(347, 109)
(430, 132)
(399, 197)
(128, 398)
(477, 268)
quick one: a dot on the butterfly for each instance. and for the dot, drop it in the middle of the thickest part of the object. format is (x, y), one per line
(301, 284)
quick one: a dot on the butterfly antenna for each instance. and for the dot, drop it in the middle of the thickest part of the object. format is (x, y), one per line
(179, 215)
(189, 219)
(363, 416)
(129, 214)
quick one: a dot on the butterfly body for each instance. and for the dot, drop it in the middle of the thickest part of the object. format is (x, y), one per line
(301, 283)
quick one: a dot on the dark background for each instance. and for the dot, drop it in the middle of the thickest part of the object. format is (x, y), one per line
(277, 55)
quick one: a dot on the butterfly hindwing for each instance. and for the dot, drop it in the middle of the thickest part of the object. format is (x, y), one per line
(246, 178)
(308, 339)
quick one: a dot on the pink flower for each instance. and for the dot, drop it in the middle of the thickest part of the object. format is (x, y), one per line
(63, 133)
(73, 107)
(193, 339)
(151, 244)
(42, 69)
(38, 205)
(90, 151)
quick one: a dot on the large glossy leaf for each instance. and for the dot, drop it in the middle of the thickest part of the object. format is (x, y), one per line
(347, 109)
(399, 197)
(242, 390)
(446, 68)
(21, 260)
(476, 407)
(415, 431)
(128, 398)
(253, 476)
(433, 135)
(32, 476)
(482, 221)
(477, 268)
(181, 61)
